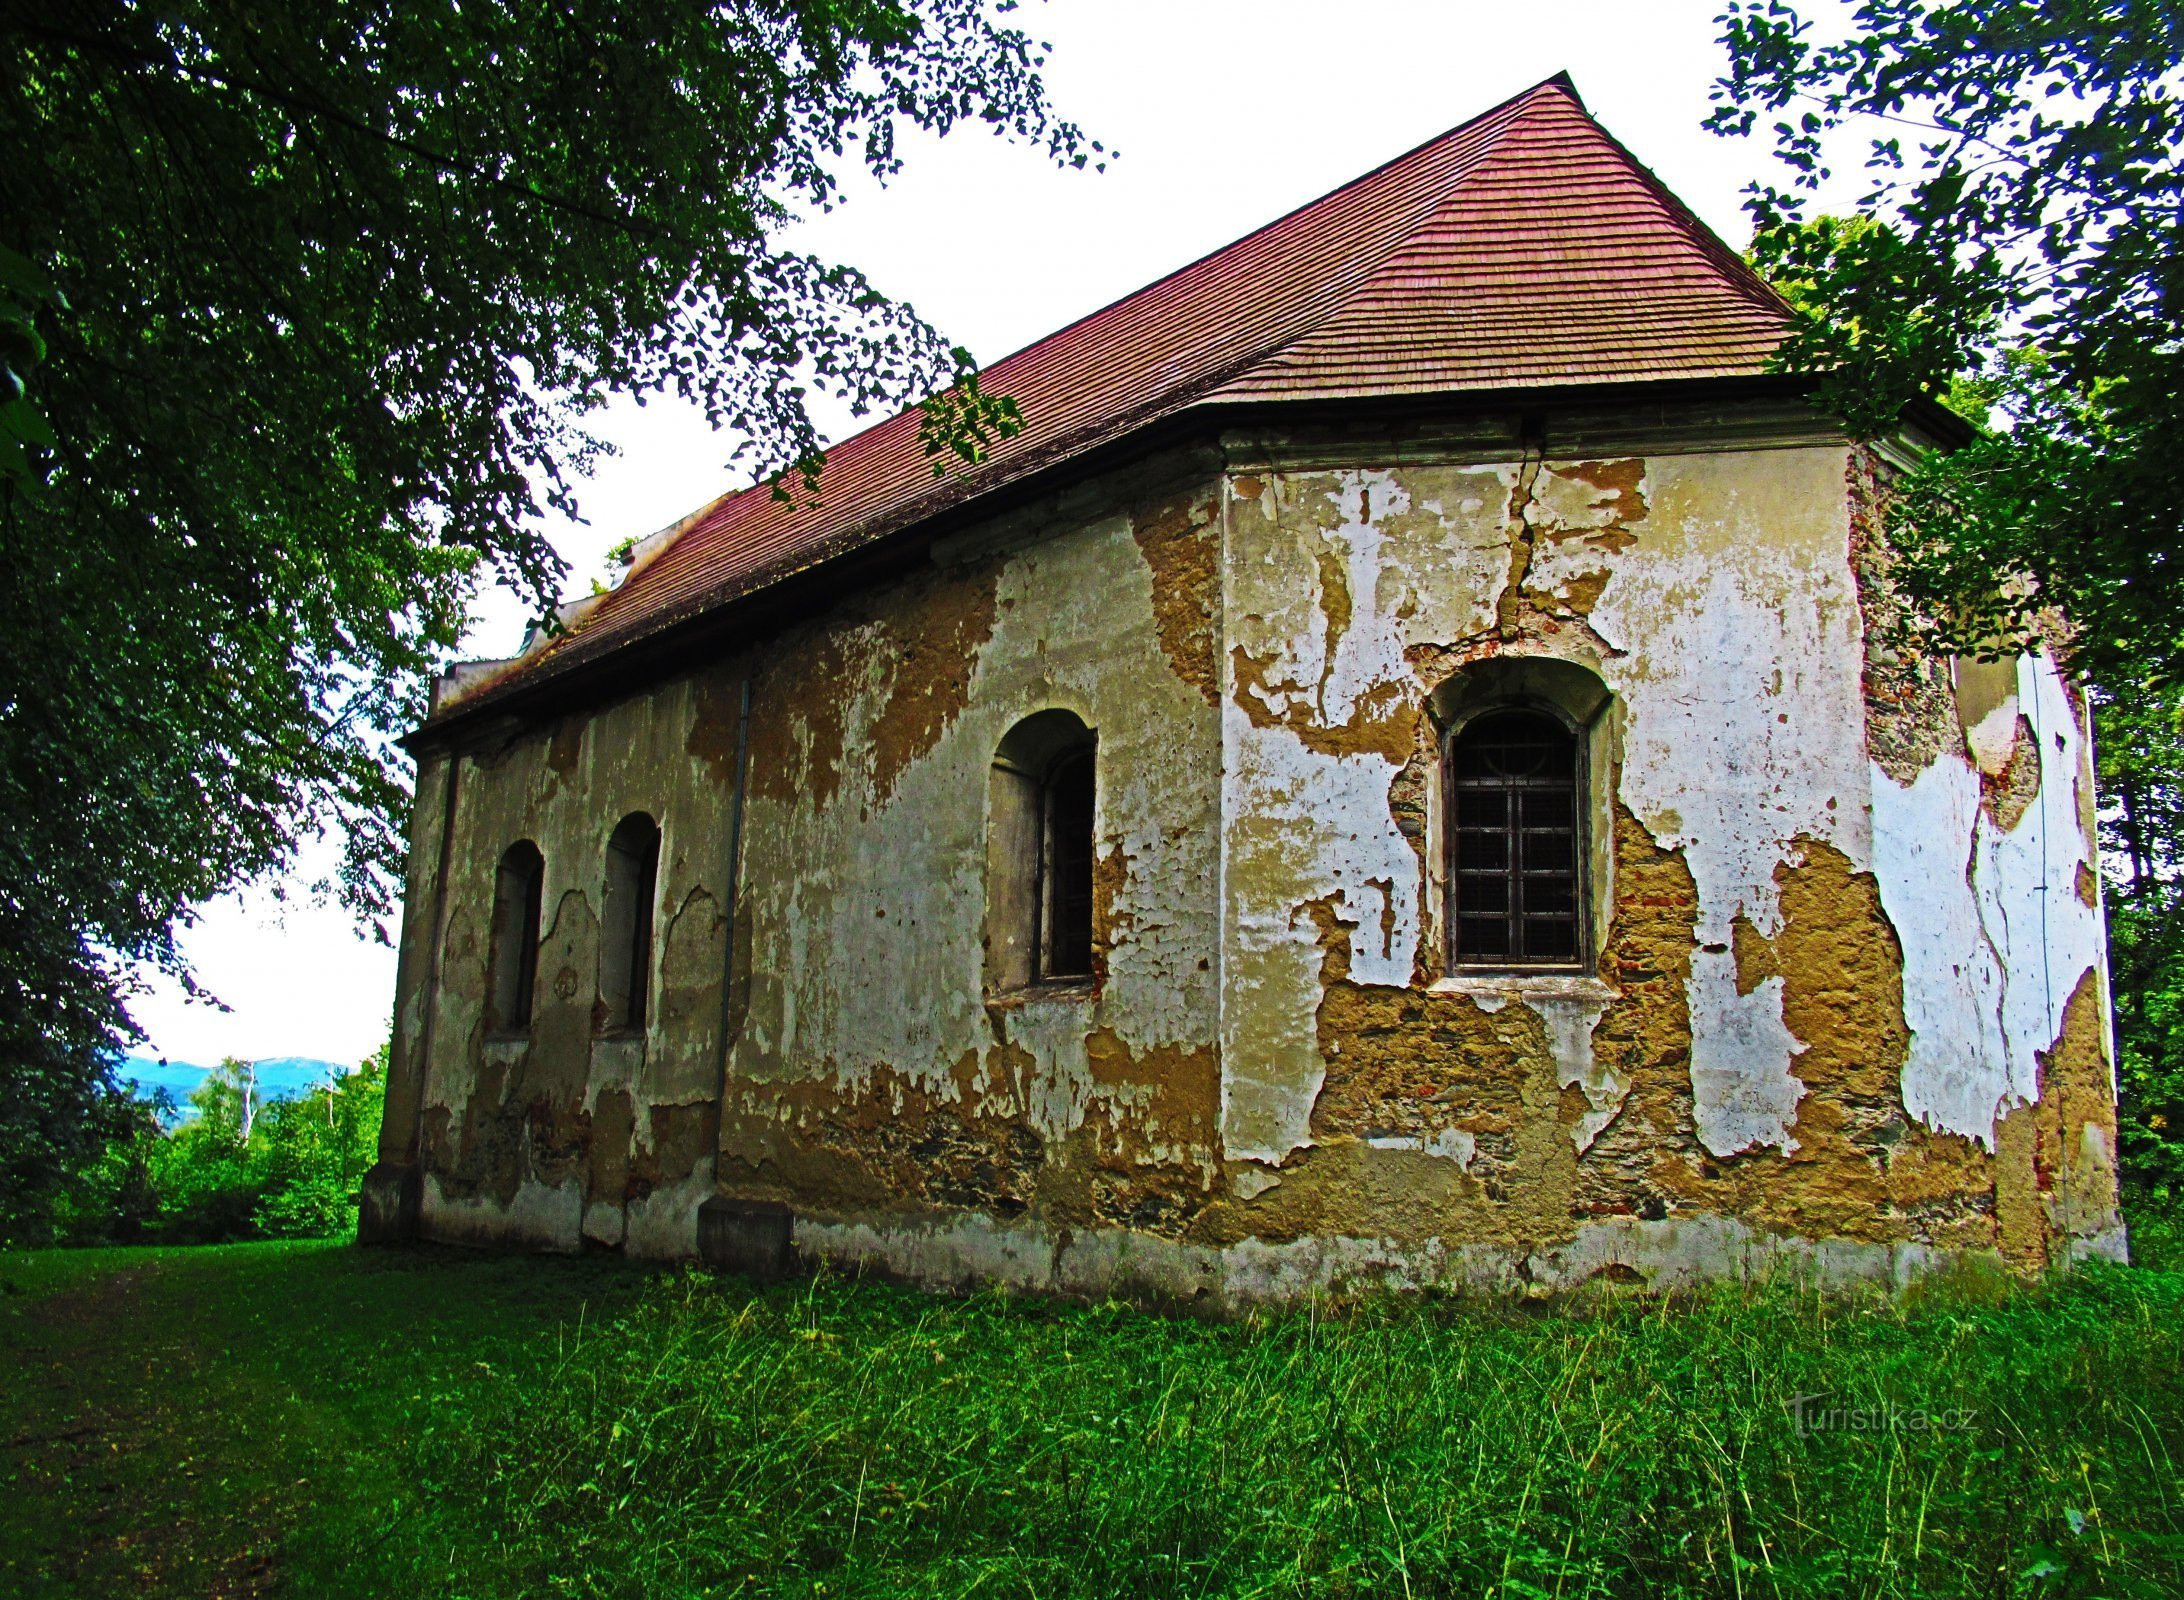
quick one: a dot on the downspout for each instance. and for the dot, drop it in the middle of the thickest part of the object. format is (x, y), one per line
(737, 1235)
(433, 947)
(731, 879)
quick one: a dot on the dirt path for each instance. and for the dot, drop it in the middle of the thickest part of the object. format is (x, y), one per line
(119, 1400)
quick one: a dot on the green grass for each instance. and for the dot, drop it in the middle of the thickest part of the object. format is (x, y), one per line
(318, 1420)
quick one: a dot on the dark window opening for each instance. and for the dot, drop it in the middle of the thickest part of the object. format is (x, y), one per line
(1514, 842)
(1041, 795)
(519, 885)
(1065, 875)
(625, 935)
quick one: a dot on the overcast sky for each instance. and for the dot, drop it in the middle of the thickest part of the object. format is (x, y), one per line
(1226, 113)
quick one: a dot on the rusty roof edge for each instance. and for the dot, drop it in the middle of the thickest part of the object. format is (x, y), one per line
(557, 678)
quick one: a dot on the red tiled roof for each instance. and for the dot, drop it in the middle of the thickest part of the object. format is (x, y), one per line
(1525, 248)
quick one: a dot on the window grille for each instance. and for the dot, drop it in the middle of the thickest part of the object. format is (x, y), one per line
(1514, 841)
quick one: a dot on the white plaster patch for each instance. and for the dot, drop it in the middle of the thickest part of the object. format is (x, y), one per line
(1570, 1020)
(1567, 513)
(870, 915)
(1302, 827)
(1742, 1089)
(1304, 824)
(1994, 936)
(1742, 684)
(663, 1225)
(1450, 1144)
(1052, 1032)
(540, 1217)
(1675, 1253)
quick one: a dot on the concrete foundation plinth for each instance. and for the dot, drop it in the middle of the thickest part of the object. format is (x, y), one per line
(393, 1196)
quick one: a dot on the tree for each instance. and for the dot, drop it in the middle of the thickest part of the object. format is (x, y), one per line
(2020, 256)
(318, 1149)
(302, 308)
(2142, 829)
(2025, 158)
(208, 1175)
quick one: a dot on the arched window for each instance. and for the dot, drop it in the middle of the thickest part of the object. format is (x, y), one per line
(1515, 840)
(625, 933)
(519, 884)
(1039, 853)
(1065, 868)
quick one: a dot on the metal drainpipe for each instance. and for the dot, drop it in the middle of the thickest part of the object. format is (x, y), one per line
(732, 886)
(433, 947)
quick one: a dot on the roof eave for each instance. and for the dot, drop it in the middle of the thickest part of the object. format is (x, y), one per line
(896, 541)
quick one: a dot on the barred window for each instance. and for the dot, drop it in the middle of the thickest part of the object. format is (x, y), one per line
(1514, 782)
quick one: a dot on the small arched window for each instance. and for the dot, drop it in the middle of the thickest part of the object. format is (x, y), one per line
(1515, 840)
(1039, 853)
(625, 934)
(519, 885)
(1065, 867)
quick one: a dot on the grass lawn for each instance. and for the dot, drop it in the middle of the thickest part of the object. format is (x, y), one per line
(320, 1420)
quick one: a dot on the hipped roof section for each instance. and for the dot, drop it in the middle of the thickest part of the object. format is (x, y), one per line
(1524, 249)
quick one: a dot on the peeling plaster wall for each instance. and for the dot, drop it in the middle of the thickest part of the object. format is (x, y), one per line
(1819, 990)
(871, 1072)
(567, 1134)
(2000, 922)
(1843, 1012)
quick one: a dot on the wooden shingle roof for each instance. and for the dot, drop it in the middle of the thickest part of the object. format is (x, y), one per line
(1526, 248)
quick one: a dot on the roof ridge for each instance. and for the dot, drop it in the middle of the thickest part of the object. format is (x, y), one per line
(1416, 252)
(1601, 276)
(1560, 80)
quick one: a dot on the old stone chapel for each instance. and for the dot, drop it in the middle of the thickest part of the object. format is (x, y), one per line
(1396, 776)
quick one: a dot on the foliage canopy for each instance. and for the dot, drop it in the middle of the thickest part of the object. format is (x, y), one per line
(2028, 156)
(2019, 255)
(302, 308)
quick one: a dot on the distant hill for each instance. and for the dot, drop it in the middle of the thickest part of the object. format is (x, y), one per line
(279, 1078)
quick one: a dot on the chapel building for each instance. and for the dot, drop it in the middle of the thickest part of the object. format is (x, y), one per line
(1402, 774)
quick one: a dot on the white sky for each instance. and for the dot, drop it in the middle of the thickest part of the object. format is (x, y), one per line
(1226, 113)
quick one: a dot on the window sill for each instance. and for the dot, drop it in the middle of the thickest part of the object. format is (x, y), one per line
(1060, 991)
(1517, 984)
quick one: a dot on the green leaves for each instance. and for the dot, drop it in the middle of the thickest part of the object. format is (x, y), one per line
(2019, 253)
(343, 283)
(1878, 318)
(963, 422)
(24, 432)
(2022, 227)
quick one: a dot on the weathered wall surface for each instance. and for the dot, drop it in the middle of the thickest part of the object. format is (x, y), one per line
(873, 1079)
(1846, 1002)
(567, 1133)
